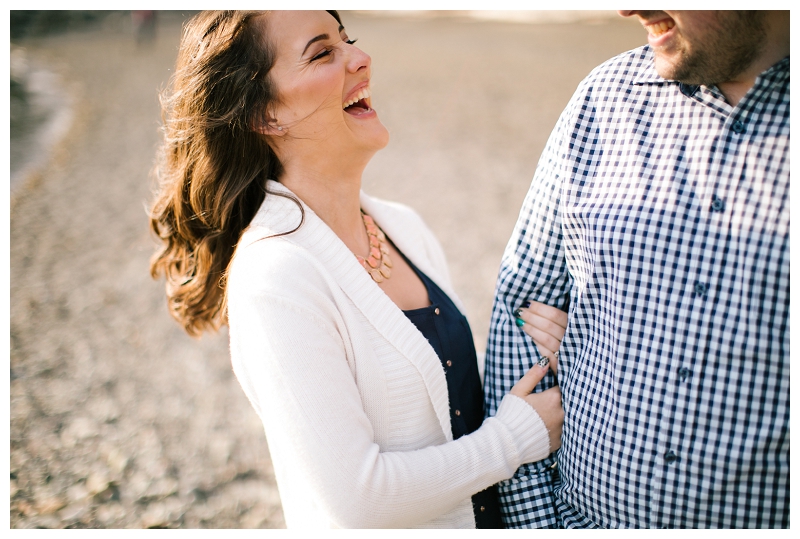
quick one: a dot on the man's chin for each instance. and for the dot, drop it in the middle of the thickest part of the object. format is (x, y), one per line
(665, 67)
(668, 69)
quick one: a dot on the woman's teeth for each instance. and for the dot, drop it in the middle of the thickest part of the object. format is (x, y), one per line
(362, 94)
(660, 27)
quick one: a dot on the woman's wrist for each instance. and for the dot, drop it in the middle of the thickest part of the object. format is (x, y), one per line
(527, 428)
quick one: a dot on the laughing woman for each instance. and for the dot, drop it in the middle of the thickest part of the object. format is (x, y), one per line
(345, 332)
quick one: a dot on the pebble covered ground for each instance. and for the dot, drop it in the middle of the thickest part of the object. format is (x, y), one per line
(120, 420)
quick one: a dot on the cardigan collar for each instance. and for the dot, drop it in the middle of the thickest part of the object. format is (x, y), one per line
(279, 214)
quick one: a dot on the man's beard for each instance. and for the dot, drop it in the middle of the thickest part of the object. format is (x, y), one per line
(725, 51)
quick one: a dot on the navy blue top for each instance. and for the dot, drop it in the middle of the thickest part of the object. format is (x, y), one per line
(447, 330)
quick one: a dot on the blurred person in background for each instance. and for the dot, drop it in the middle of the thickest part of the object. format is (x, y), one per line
(659, 217)
(345, 332)
(144, 26)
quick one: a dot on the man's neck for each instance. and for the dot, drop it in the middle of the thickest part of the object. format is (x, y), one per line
(775, 50)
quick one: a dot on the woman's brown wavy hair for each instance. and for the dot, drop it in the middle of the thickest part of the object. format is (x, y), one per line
(212, 166)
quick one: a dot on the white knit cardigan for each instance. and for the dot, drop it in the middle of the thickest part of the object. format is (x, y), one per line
(352, 396)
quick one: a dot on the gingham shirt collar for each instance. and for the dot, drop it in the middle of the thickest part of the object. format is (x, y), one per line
(649, 75)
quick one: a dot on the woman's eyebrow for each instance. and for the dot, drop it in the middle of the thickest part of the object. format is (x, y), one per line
(314, 40)
(320, 38)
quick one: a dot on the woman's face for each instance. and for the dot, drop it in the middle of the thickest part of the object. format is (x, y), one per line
(323, 82)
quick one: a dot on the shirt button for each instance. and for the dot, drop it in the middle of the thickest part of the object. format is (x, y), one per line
(684, 373)
(701, 289)
(483, 509)
(458, 412)
(670, 457)
(687, 89)
(449, 363)
(717, 204)
(738, 127)
(436, 310)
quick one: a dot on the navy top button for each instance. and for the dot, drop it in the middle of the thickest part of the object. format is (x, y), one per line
(701, 288)
(683, 372)
(738, 127)
(717, 204)
(670, 457)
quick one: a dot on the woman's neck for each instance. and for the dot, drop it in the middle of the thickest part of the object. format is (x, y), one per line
(335, 198)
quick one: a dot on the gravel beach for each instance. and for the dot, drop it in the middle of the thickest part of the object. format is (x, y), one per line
(120, 420)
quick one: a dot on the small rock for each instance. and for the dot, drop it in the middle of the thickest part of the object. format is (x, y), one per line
(26, 508)
(109, 513)
(74, 511)
(109, 494)
(161, 488)
(97, 482)
(104, 409)
(50, 505)
(155, 467)
(49, 522)
(77, 492)
(79, 429)
(136, 486)
(117, 461)
(254, 517)
(219, 449)
(155, 516)
(203, 512)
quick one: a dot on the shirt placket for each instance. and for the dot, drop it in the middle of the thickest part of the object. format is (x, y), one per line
(687, 394)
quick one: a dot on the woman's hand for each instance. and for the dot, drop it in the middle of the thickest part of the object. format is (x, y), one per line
(546, 326)
(547, 403)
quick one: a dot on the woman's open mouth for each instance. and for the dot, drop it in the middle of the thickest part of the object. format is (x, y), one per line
(358, 103)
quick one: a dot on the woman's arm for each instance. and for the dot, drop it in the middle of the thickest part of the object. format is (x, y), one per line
(291, 360)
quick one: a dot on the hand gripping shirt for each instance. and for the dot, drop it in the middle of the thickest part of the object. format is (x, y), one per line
(659, 214)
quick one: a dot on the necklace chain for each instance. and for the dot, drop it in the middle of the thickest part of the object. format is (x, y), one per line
(378, 264)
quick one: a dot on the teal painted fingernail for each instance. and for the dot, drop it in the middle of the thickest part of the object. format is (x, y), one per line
(520, 322)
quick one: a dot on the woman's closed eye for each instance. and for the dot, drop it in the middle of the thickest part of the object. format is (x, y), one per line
(322, 54)
(326, 51)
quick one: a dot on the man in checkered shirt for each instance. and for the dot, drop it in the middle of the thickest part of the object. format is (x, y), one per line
(658, 217)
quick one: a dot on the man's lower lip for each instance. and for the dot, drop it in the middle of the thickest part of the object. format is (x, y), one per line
(659, 40)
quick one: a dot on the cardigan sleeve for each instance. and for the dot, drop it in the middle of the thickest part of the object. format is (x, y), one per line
(289, 354)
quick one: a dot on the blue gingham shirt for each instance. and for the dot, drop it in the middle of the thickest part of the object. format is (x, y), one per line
(660, 214)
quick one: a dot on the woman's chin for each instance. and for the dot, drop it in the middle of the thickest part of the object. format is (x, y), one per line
(376, 137)
(383, 138)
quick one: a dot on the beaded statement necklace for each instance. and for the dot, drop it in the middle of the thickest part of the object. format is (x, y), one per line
(378, 264)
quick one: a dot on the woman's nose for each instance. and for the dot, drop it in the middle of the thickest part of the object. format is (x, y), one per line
(358, 59)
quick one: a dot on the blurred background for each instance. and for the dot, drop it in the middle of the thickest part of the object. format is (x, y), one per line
(117, 418)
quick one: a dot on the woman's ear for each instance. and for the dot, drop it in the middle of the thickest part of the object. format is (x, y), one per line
(271, 127)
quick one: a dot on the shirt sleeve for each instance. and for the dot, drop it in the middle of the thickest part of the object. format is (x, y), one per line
(533, 268)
